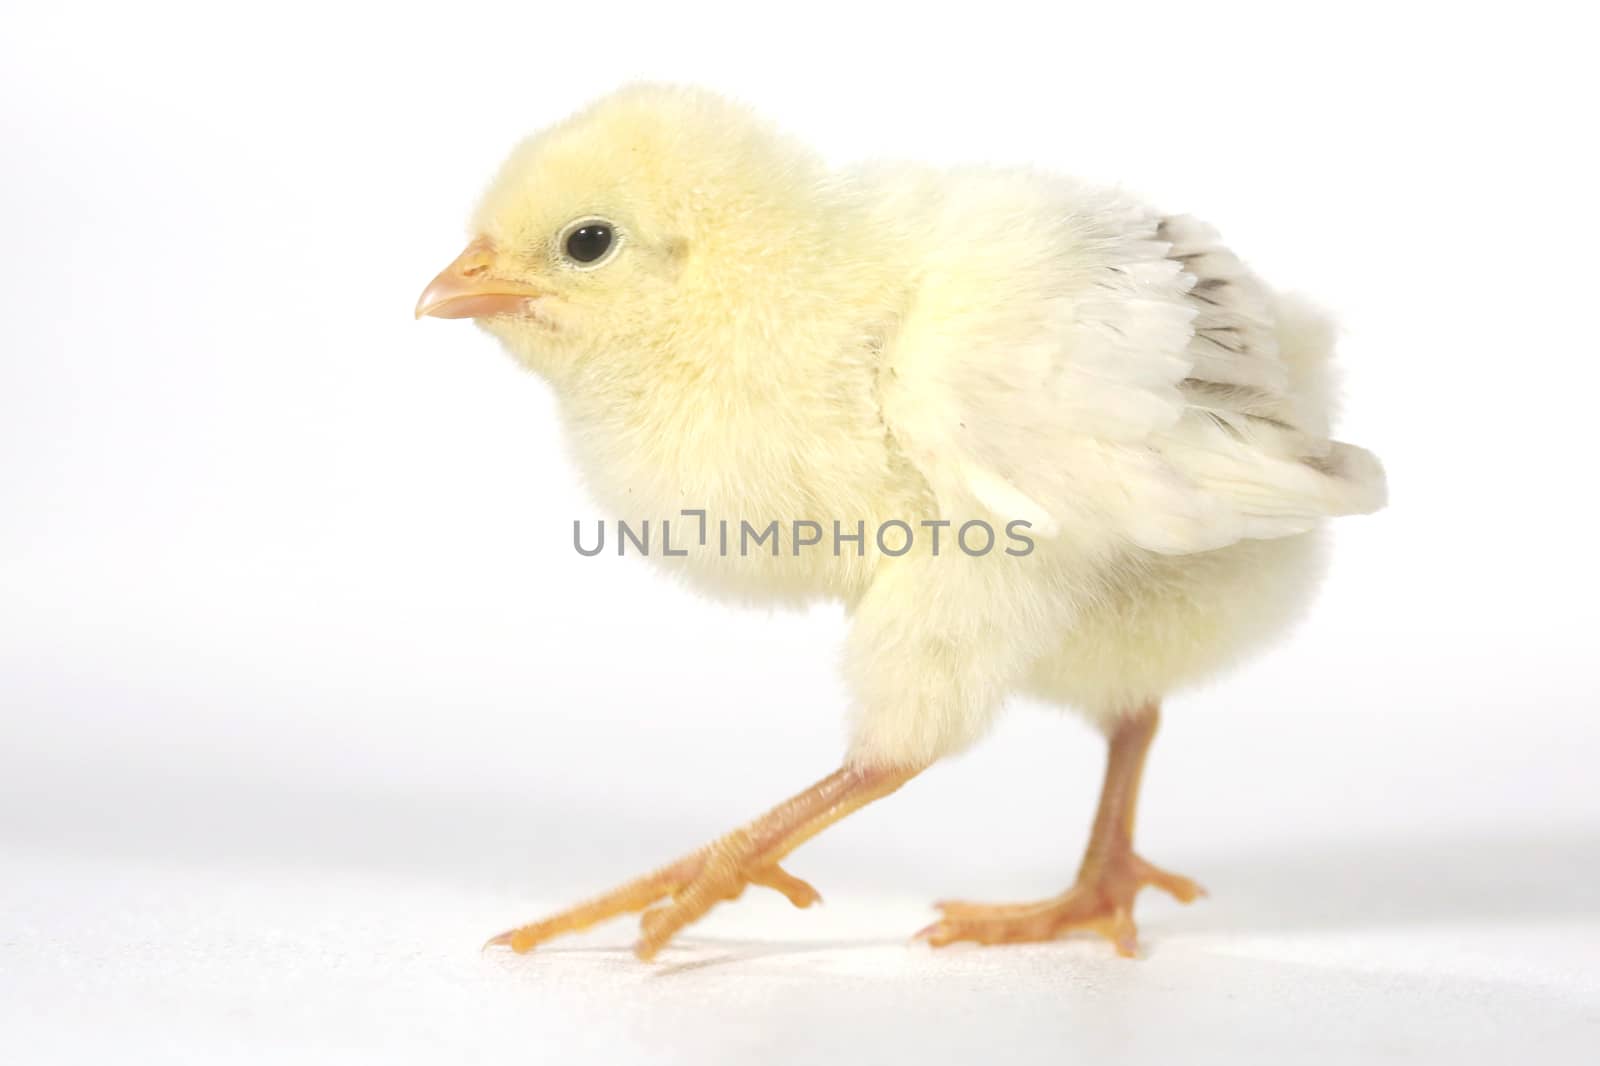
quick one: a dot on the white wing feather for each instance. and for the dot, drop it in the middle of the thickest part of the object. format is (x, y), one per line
(1140, 391)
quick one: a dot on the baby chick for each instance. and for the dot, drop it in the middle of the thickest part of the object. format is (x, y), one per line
(888, 362)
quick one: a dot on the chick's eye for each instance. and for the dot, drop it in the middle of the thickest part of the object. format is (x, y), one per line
(589, 242)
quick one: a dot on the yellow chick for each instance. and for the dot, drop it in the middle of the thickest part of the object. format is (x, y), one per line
(1036, 435)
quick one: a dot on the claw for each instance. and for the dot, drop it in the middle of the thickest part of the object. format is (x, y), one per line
(798, 892)
(1123, 934)
(652, 938)
(515, 939)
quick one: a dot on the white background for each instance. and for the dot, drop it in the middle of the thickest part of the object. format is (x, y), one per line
(303, 691)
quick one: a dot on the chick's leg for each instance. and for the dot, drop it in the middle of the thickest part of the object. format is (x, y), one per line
(1109, 878)
(721, 870)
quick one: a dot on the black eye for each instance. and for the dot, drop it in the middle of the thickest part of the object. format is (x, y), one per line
(589, 242)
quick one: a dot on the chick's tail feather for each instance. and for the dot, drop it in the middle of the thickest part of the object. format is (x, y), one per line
(1307, 337)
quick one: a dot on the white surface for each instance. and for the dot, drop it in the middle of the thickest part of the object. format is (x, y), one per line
(179, 963)
(303, 691)
(1365, 906)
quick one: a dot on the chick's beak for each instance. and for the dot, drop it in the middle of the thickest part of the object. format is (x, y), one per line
(465, 289)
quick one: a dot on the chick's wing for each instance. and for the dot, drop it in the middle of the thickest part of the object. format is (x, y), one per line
(1120, 374)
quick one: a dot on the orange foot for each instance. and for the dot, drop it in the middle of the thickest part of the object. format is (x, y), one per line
(1101, 902)
(692, 886)
(676, 895)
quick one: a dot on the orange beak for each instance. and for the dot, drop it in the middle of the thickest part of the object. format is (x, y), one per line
(465, 289)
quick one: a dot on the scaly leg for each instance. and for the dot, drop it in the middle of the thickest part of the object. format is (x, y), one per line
(1109, 878)
(721, 870)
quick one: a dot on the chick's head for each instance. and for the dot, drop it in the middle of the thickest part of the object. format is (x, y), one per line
(642, 224)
